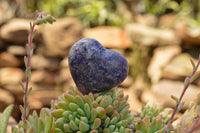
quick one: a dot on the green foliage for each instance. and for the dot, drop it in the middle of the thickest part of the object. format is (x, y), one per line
(37, 124)
(90, 12)
(4, 118)
(139, 59)
(152, 119)
(184, 8)
(96, 113)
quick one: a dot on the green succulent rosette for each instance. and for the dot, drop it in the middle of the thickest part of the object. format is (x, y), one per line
(106, 112)
(152, 119)
(37, 124)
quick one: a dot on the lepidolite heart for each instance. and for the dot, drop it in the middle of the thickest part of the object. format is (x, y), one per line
(94, 68)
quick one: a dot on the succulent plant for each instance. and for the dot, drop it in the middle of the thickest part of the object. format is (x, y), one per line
(105, 112)
(152, 119)
(190, 119)
(37, 124)
(94, 68)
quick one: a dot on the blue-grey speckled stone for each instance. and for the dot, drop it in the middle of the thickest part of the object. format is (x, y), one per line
(94, 68)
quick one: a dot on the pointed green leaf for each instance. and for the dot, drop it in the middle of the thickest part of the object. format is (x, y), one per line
(4, 118)
(96, 124)
(83, 127)
(73, 125)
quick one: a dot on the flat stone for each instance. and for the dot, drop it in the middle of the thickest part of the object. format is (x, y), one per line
(150, 36)
(9, 60)
(16, 31)
(6, 98)
(162, 91)
(94, 68)
(127, 82)
(17, 90)
(146, 19)
(60, 36)
(188, 34)
(16, 50)
(179, 67)
(42, 62)
(42, 98)
(161, 57)
(110, 37)
(133, 100)
(11, 75)
(64, 63)
(43, 77)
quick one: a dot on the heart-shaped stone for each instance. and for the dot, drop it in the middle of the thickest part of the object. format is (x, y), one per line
(95, 68)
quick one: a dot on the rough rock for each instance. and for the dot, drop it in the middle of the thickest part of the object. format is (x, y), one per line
(133, 100)
(166, 21)
(2, 44)
(16, 50)
(109, 37)
(43, 77)
(16, 31)
(149, 36)
(179, 67)
(17, 91)
(11, 76)
(6, 12)
(162, 91)
(60, 36)
(127, 82)
(9, 60)
(6, 98)
(42, 62)
(41, 98)
(161, 57)
(189, 35)
(146, 19)
(64, 63)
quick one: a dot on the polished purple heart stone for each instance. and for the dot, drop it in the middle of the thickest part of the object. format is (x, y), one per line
(95, 68)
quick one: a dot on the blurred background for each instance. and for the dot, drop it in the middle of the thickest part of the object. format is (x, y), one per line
(157, 37)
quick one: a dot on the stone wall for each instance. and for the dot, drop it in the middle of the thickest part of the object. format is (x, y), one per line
(169, 64)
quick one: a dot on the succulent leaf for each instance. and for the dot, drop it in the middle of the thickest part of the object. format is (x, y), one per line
(37, 124)
(152, 119)
(105, 112)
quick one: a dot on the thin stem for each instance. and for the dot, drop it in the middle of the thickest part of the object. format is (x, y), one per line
(30, 38)
(179, 101)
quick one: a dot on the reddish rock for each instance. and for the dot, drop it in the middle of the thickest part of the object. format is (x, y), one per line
(109, 37)
(9, 60)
